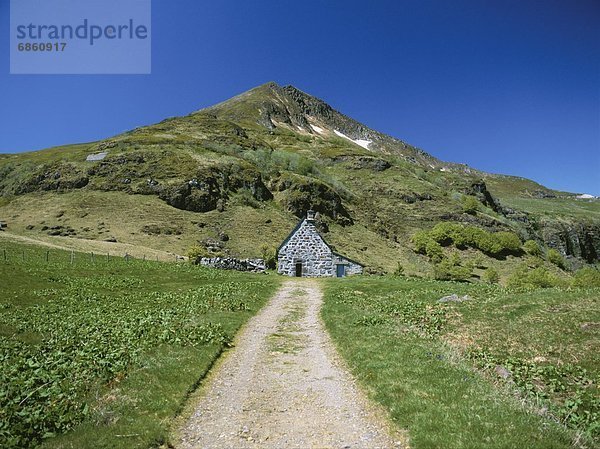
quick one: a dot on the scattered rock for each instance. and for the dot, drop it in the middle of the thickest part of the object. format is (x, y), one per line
(62, 231)
(29, 227)
(502, 372)
(155, 229)
(454, 298)
(96, 157)
(111, 240)
(589, 326)
(223, 237)
(212, 245)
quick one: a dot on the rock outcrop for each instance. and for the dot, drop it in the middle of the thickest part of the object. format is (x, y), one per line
(577, 239)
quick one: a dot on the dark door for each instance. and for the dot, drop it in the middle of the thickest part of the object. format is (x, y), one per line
(298, 269)
(341, 270)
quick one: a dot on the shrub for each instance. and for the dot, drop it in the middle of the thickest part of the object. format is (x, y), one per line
(470, 204)
(490, 276)
(244, 197)
(507, 242)
(556, 258)
(399, 270)
(587, 277)
(434, 251)
(269, 255)
(525, 278)
(532, 248)
(449, 269)
(196, 252)
(445, 232)
(420, 240)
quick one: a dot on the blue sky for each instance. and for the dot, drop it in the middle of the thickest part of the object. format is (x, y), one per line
(505, 86)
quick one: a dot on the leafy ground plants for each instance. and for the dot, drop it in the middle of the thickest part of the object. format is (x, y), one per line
(81, 344)
(500, 368)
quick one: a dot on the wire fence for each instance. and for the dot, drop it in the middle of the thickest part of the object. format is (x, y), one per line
(73, 257)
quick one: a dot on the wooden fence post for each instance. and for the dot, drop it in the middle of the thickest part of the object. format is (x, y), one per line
(47, 256)
(72, 256)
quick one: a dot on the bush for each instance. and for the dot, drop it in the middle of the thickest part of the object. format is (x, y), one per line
(470, 204)
(420, 240)
(269, 255)
(434, 251)
(556, 258)
(525, 278)
(449, 269)
(587, 277)
(196, 252)
(399, 270)
(532, 248)
(508, 242)
(491, 276)
(445, 232)
(493, 243)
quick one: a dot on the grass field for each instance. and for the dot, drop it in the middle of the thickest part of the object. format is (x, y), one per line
(500, 370)
(104, 353)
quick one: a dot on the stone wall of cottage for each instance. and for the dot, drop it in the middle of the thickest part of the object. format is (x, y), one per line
(306, 246)
(351, 267)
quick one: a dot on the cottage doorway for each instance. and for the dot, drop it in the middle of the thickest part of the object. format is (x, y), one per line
(298, 269)
(340, 270)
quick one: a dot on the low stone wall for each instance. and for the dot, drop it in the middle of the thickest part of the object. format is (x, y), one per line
(229, 263)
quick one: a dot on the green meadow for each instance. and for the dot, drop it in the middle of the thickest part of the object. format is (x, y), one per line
(103, 352)
(501, 369)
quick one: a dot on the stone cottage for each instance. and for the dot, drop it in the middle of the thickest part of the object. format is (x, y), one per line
(304, 253)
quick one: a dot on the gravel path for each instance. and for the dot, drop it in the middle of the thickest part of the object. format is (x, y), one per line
(284, 386)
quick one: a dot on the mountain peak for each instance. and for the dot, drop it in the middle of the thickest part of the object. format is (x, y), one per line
(272, 106)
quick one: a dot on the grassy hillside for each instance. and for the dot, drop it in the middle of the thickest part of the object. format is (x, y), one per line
(251, 166)
(503, 368)
(108, 349)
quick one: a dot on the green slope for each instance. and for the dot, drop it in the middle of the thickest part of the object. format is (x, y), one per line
(249, 167)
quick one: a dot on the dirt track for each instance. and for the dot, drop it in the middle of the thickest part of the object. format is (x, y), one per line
(283, 386)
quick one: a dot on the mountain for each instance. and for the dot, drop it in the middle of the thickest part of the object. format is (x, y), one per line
(236, 176)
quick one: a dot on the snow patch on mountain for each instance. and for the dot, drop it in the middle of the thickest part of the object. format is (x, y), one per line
(317, 129)
(361, 142)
